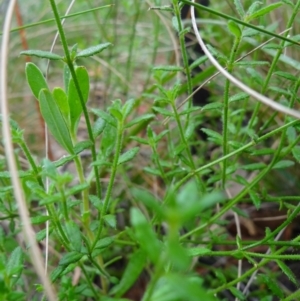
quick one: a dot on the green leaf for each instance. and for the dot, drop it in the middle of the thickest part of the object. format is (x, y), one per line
(133, 269)
(238, 97)
(237, 293)
(15, 262)
(42, 54)
(98, 127)
(255, 199)
(39, 219)
(286, 75)
(73, 96)
(145, 235)
(239, 8)
(129, 155)
(105, 242)
(128, 107)
(93, 50)
(110, 220)
(296, 153)
(82, 145)
(108, 139)
(213, 136)
(139, 119)
(35, 79)
(177, 254)
(55, 120)
(198, 251)
(234, 29)
(61, 99)
(283, 164)
(105, 116)
(190, 130)
(169, 68)
(70, 257)
(163, 111)
(254, 166)
(272, 285)
(263, 11)
(74, 235)
(212, 106)
(287, 271)
(56, 273)
(67, 77)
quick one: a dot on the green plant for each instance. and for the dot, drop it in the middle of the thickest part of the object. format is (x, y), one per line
(117, 218)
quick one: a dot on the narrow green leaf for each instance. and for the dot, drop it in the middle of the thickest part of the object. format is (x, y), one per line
(286, 75)
(105, 116)
(133, 269)
(128, 107)
(104, 242)
(82, 145)
(139, 119)
(98, 127)
(56, 273)
(169, 68)
(42, 54)
(108, 139)
(255, 199)
(198, 251)
(145, 234)
(213, 136)
(74, 235)
(283, 164)
(39, 219)
(129, 155)
(55, 120)
(272, 285)
(296, 153)
(287, 271)
(234, 29)
(237, 293)
(238, 97)
(15, 262)
(73, 96)
(254, 166)
(265, 10)
(35, 79)
(239, 8)
(110, 220)
(70, 257)
(67, 77)
(212, 106)
(62, 101)
(93, 50)
(163, 111)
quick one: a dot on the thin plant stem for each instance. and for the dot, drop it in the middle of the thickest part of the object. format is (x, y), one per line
(76, 83)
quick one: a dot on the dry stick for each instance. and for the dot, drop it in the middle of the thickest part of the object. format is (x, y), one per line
(261, 98)
(34, 251)
(217, 73)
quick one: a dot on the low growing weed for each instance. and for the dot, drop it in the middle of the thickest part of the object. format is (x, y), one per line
(167, 195)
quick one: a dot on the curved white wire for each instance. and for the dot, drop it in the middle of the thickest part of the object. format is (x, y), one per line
(263, 99)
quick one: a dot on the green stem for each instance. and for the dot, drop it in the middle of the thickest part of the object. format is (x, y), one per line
(76, 83)
(184, 56)
(226, 108)
(114, 168)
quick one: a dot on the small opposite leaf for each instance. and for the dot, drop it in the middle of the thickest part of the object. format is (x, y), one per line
(55, 120)
(35, 79)
(62, 101)
(73, 96)
(70, 257)
(264, 10)
(139, 119)
(169, 68)
(239, 8)
(42, 54)
(283, 164)
(234, 28)
(129, 155)
(93, 50)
